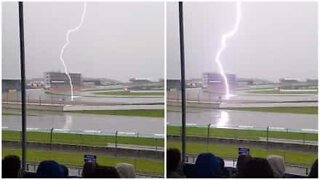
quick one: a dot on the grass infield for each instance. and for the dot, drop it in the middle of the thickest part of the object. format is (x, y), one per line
(159, 113)
(296, 110)
(81, 139)
(242, 134)
(129, 93)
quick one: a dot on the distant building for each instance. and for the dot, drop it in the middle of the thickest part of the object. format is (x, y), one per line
(173, 84)
(286, 83)
(312, 82)
(91, 82)
(11, 85)
(214, 82)
(144, 84)
(245, 82)
(139, 80)
(60, 80)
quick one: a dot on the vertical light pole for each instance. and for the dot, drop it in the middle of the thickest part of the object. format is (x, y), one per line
(183, 88)
(23, 88)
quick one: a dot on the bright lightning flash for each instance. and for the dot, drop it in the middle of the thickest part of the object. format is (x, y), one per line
(67, 43)
(224, 39)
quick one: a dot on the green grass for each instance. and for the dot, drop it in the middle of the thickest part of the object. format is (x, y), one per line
(241, 134)
(231, 152)
(10, 114)
(130, 93)
(282, 92)
(78, 139)
(159, 113)
(76, 159)
(296, 110)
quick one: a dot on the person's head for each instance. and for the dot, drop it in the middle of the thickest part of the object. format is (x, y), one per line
(65, 170)
(314, 170)
(277, 164)
(241, 164)
(258, 168)
(89, 169)
(207, 166)
(173, 159)
(10, 166)
(221, 162)
(105, 172)
(50, 169)
(126, 170)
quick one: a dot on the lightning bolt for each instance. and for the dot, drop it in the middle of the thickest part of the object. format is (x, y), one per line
(224, 39)
(67, 43)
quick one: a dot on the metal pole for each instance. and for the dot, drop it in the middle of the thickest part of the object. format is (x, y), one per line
(116, 143)
(208, 133)
(267, 135)
(23, 88)
(51, 133)
(116, 140)
(183, 88)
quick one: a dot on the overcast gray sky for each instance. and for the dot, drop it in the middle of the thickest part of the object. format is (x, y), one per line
(275, 39)
(117, 40)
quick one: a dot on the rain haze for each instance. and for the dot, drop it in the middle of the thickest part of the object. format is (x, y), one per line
(275, 39)
(116, 41)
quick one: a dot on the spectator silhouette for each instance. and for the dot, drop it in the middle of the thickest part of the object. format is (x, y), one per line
(50, 169)
(241, 164)
(88, 169)
(207, 166)
(126, 170)
(277, 164)
(173, 163)
(65, 170)
(258, 168)
(105, 172)
(10, 166)
(224, 172)
(314, 170)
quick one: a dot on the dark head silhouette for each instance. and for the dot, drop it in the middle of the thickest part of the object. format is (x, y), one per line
(10, 166)
(258, 168)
